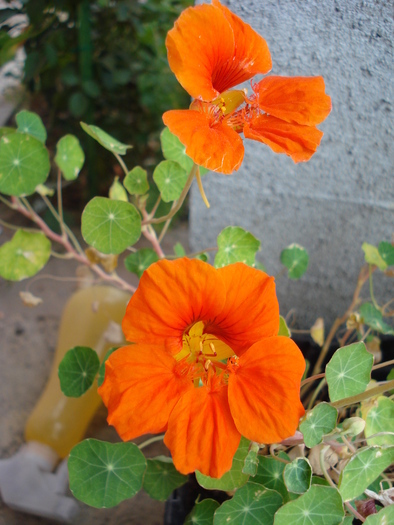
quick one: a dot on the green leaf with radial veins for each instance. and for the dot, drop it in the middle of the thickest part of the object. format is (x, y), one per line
(108, 142)
(232, 479)
(77, 370)
(319, 506)
(270, 475)
(24, 164)
(24, 255)
(362, 469)
(374, 318)
(31, 124)
(161, 478)
(136, 181)
(296, 260)
(349, 371)
(298, 475)
(202, 513)
(236, 245)
(104, 474)
(386, 251)
(251, 505)
(69, 156)
(317, 423)
(110, 226)
(140, 260)
(380, 418)
(383, 517)
(170, 178)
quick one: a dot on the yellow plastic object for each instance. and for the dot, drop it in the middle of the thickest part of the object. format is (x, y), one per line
(92, 317)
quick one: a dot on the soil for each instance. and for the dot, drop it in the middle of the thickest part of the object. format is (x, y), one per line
(28, 340)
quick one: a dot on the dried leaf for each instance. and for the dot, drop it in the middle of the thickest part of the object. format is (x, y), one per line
(29, 299)
(317, 331)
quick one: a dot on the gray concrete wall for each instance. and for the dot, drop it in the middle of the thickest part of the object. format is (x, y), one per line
(345, 194)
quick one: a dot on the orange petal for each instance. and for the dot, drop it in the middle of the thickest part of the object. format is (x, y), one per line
(298, 142)
(251, 311)
(201, 433)
(171, 296)
(294, 99)
(211, 50)
(264, 391)
(141, 387)
(216, 147)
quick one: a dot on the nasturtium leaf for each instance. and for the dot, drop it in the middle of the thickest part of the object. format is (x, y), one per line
(383, 517)
(101, 374)
(349, 371)
(380, 418)
(110, 226)
(283, 328)
(136, 181)
(251, 505)
(104, 474)
(317, 480)
(179, 250)
(24, 164)
(202, 256)
(372, 256)
(232, 479)
(5, 130)
(69, 157)
(298, 475)
(251, 463)
(140, 260)
(24, 255)
(318, 506)
(170, 178)
(236, 245)
(347, 520)
(318, 422)
(296, 260)
(108, 142)
(117, 191)
(30, 123)
(386, 251)
(362, 469)
(77, 370)
(161, 478)
(374, 318)
(202, 513)
(173, 149)
(270, 475)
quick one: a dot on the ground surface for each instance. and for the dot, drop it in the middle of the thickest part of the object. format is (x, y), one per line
(28, 340)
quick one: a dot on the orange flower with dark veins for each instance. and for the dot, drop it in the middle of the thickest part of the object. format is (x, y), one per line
(207, 365)
(211, 50)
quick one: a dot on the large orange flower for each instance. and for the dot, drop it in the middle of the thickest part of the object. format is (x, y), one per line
(207, 365)
(211, 50)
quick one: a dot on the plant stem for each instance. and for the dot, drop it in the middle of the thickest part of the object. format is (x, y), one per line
(386, 386)
(122, 163)
(371, 288)
(200, 187)
(150, 441)
(60, 202)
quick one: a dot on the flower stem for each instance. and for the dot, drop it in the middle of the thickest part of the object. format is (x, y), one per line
(352, 400)
(150, 441)
(202, 192)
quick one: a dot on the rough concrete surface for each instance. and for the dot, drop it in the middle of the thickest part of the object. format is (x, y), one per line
(28, 342)
(345, 194)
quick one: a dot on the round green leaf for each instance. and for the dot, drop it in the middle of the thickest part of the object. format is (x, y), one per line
(380, 418)
(108, 142)
(110, 226)
(236, 245)
(136, 181)
(77, 370)
(5, 130)
(251, 462)
(374, 318)
(140, 260)
(386, 251)
(251, 505)
(31, 124)
(170, 178)
(317, 423)
(362, 469)
(270, 475)
(202, 513)
(349, 371)
(24, 164)
(383, 517)
(161, 478)
(298, 475)
(296, 260)
(372, 256)
(232, 479)
(319, 506)
(104, 474)
(69, 156)
(24, 255)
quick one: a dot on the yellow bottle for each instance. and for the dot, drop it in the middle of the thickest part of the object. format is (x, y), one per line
(92, 317)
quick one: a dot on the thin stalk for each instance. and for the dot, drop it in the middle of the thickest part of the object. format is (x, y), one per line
(60, 202)
(352, 400)
(122, 163)
(371, 288)
(150, 441)
(166, 225)
(316, 392)
(200, 187)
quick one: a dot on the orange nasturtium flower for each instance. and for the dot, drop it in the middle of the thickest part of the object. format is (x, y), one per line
(211, 50)
(207, 365)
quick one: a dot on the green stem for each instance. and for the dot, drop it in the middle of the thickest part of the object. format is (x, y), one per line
(150, 441)
(371, 288)
(122, 163)
(316, 392)
(372, 392)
